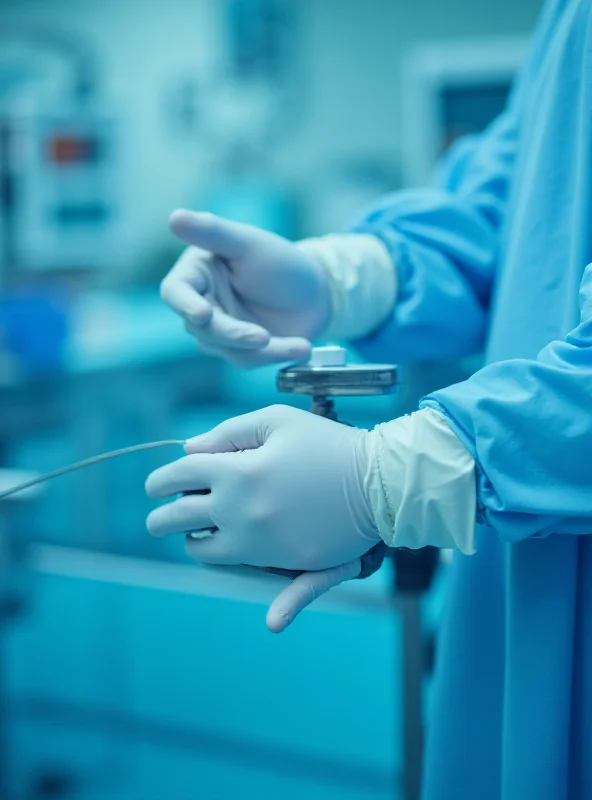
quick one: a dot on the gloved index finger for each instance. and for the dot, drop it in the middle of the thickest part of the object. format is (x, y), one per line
(224, 330)
(277, 351)
(219, 236)
(186, 301)
(184, 288)
(188, 474)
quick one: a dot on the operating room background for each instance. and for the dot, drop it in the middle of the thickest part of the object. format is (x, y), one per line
(124, 670)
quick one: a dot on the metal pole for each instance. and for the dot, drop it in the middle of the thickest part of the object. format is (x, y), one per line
(409, 605)
(413, 673)
(4, 755)
(413, 574)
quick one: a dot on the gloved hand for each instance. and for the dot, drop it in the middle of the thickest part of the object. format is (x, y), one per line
(286, 490)
(247, 295)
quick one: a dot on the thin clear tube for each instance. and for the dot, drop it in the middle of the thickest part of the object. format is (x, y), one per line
(87, 462)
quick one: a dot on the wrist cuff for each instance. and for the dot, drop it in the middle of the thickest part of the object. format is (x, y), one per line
(421, 484)
(362, 282)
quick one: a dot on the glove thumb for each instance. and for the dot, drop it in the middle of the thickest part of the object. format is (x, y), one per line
(214, 234)
(304, 590)
(247, 432)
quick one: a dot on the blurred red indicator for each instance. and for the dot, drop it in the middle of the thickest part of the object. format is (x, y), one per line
(72, 150)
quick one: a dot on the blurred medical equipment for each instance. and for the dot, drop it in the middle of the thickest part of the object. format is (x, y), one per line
(328, 375)
(452, 89)
(252, 97)
(61, 190)
(250, 103)
(59, 185)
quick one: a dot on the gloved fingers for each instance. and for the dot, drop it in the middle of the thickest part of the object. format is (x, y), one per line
(224, 330)
(184, 288)
(218, 549)
(188, 513)
(304, 590)
(246, 432)
(281, 349)
(187, 474)
(186, 301)
(215, 234)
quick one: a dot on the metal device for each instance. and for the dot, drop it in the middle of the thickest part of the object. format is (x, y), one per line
(328, 375)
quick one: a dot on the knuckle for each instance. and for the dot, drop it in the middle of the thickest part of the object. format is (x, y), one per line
(280, 411)
(246, 469)
(261, 514)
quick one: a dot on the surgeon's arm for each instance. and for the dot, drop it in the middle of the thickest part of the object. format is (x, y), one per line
(528, 426)
(442, 247)
(415, 281)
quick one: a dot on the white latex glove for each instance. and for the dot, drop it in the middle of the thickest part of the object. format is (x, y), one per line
(247, 295)
(286, 490)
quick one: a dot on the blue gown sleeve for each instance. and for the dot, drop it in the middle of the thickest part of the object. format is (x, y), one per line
(528, 425)
(445, 241)
(444, 245)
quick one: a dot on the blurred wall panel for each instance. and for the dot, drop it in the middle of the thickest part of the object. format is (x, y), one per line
(350, 53)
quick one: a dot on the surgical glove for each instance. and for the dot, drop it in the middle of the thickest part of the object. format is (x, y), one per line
(420, 482)
(247, 295)
(255, 298)
(285, 490)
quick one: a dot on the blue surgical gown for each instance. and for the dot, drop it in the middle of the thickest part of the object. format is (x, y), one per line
(497, 258)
